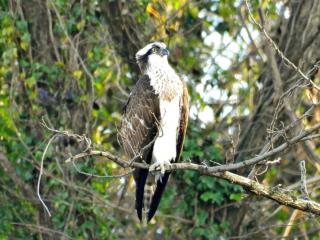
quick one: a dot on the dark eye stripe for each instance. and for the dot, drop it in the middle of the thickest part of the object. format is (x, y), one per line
(156, 46)
(153, 50)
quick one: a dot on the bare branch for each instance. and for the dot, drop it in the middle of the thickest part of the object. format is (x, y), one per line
(41, 172)
(221, 171)
(303, 186)
(276, 48)
(275, 194)
(101, 176)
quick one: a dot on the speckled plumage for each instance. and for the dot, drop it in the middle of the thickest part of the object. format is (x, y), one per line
(156, 113)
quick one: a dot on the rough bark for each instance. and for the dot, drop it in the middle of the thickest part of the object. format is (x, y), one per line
(276, 194)
(127, 34)
(35, 12)
(298, 38)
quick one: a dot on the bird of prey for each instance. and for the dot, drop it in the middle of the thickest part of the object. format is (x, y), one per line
(154, 125)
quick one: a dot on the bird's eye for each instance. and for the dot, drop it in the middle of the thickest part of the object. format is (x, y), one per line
(155, 49)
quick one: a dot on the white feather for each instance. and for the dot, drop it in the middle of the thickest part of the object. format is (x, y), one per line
(163, 77)
(164, 149)
(165, 81)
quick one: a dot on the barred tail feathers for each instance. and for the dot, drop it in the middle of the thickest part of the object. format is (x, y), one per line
(140, 176)
(149, 190)
(156, 197)
(148, 194)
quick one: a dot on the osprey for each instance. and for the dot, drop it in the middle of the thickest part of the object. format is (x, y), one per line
(154, 125)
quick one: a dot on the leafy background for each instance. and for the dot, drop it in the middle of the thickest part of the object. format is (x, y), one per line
(72, 64)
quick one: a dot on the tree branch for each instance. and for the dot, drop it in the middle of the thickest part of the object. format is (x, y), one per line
(276, 48)
(202, 168)
(275, 194)
(279, 195)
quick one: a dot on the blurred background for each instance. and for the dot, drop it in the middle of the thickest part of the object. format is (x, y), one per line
(71, 63)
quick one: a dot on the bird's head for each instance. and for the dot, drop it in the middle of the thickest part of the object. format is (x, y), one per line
(155, 53)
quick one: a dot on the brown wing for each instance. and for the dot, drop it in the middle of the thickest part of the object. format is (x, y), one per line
(139, 127)
(140, 118)
(183, 120)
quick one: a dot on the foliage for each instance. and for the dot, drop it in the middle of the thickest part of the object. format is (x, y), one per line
(62, 61)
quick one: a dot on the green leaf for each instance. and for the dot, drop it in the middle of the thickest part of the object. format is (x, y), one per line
(215, 197)
(202, 217)
(236, 196)
(208, 182)
(207, 196)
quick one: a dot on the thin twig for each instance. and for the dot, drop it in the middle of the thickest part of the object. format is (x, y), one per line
(274, 194)
(276, 48)
(303, 186)
(42, 229)
(221, 171)
(86, 70)
(101, 176)
(292, 219)
(79, 138)
(41, 172)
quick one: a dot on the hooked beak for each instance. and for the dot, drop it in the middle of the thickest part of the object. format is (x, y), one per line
(164, 52)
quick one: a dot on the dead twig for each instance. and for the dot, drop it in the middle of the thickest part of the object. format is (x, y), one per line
(41, 172)
(303, 186)
(276, 48)
(101, 176)
(221, 171)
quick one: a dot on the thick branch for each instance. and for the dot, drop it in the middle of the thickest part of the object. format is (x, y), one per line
(127, 35)
(259, 189)
(221, 172)
(274, 194)
(203, 168)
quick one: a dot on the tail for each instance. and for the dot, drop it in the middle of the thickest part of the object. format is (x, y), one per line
(147, 197)
(161, 184)
(148, 194)
(140, 176)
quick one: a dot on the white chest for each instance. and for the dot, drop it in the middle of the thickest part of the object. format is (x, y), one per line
(169, 87)
(164, 149)
(164, 79)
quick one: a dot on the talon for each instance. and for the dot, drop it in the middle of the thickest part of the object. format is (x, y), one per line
(152, 167)
(160, 166)
(162, 169)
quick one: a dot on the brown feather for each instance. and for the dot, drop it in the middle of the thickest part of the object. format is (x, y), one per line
(139, 125)
(139, 128)
(183, 120)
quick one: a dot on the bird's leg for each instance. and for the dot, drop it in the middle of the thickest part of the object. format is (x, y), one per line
(160, 166)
